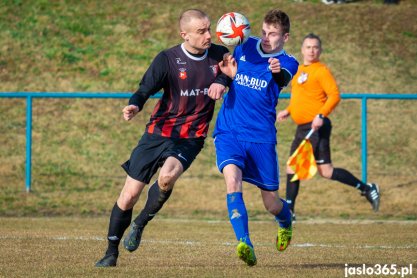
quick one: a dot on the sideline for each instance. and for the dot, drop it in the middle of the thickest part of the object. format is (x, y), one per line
(202, 243)
(301, 221)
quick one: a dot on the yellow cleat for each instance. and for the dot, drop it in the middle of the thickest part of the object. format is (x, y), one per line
(246, 253)
(284, 238)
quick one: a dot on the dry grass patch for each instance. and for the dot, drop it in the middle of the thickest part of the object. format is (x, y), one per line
(63, 247)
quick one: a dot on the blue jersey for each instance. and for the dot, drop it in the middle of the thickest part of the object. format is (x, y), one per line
(249, 108)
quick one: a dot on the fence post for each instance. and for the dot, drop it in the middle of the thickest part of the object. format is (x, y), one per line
(364, 140)
(28, 142)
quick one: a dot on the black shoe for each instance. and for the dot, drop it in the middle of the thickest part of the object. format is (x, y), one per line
(372, 195)
(107, 261)
(132, 240)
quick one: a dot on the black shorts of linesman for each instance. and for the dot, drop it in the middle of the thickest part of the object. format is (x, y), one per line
(176, 130)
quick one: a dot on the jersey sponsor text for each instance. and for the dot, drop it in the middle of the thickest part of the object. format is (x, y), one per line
(194, 92)
(251, 82)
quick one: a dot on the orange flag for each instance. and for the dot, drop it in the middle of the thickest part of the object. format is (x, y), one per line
(302, 161)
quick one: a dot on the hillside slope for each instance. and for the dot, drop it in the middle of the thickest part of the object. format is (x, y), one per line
(101, 46)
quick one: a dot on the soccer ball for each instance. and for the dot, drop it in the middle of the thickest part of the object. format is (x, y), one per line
(233, 29)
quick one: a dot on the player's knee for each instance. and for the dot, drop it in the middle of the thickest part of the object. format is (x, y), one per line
(325, 173)
(233, 184)
(127, 200)
(272, 210)
(272, 206)
(166, 181)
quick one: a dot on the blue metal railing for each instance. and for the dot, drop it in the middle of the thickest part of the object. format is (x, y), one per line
(30, 95)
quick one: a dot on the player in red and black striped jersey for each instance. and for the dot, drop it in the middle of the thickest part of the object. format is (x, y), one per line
(185, 110)
(177, 128)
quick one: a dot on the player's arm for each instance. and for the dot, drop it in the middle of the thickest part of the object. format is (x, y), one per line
(223, 79)
(283, 115)
(228, 66)
(152, 82)
(282, 76)
(218, 87)
(329, 85)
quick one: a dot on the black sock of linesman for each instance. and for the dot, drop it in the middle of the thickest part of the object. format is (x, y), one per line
(155, 201)
(346, 177)
(119, 222)
(292, 191)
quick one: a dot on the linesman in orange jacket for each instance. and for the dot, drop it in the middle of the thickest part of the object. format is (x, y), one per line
(314, 95)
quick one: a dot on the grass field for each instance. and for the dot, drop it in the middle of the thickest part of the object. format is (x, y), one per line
(69, 247)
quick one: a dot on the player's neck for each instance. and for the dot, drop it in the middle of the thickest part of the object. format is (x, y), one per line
(193, 51)
(272, 52)
(309, 62)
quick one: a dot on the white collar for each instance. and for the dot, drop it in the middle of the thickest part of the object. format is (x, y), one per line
(193, 57)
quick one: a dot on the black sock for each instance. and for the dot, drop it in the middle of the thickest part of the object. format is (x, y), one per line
(346, 177)
(155, 201)
(119, 221)
(292, 191)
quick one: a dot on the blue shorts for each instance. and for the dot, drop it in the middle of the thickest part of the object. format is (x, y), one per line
(258, 161)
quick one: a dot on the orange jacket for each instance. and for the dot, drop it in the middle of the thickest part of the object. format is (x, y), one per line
(314, 91)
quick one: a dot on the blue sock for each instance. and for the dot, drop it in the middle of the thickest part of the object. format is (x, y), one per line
(238, 217)
(284, 216)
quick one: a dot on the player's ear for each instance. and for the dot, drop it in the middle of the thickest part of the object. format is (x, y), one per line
(286, 37)
(184, 35)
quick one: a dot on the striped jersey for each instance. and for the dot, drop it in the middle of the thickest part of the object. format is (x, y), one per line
(185, 109)
(249, 109)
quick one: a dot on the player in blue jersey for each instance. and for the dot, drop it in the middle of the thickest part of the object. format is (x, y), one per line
(245, 133)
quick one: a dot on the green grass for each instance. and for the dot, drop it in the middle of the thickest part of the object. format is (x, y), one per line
(78, 145)
(103, 46)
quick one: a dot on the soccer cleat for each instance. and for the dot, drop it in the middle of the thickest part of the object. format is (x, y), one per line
(294, 219)
(246, 253)
(372, 195)
(284, 238)
(108, 260)
(132, 240)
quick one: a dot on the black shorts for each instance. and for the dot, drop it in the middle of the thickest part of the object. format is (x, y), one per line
(320, 140)
(152, 151)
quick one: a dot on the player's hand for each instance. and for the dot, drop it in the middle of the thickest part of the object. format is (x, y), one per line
(282, 115)
(228, 66)
(130, 111)
(317, 123)
(216, 91)
(274, 65)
